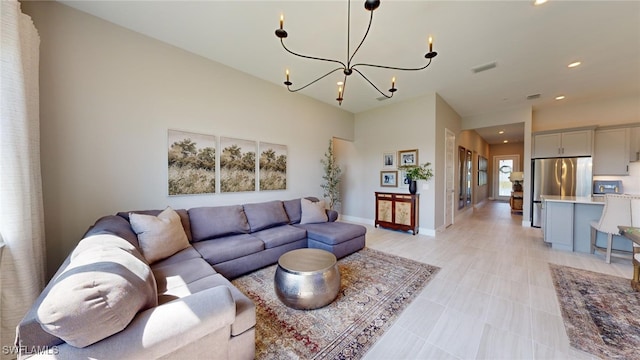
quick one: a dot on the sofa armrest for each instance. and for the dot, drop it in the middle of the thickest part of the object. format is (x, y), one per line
(161, 330)
(332, 215)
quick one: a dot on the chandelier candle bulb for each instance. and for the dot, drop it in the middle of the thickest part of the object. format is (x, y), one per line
(281, 22)
(430, 42)
(287, 73)
(393, 82)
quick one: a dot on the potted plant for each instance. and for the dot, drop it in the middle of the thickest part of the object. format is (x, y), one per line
(331, 177)
(417, 172)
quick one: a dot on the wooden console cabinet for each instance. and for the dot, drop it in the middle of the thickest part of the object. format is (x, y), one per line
(516, 201)
(398, 211)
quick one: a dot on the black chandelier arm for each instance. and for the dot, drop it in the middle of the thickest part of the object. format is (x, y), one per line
(363, 38)
(311, 57)
(375, 87)
(393, 67)
(314, 81)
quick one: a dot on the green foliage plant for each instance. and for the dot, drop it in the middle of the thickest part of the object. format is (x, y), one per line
(331, 177)
(418, 172)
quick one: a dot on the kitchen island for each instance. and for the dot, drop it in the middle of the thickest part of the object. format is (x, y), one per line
(566, 221)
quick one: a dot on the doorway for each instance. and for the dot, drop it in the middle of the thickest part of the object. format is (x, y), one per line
(503, 166)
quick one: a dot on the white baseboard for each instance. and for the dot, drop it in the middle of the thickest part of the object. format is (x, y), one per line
(356, 219)
(427, 232)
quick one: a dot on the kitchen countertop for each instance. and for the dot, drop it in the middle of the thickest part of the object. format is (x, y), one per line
(574, 199)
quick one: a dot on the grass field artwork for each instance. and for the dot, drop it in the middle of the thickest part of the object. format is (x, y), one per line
(191, 163)
(237, 165)
(273, 166)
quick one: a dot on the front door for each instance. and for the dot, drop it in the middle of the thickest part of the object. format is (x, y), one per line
(502, 167)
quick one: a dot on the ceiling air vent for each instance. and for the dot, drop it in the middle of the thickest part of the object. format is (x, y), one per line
(533, 97)
(484, 67)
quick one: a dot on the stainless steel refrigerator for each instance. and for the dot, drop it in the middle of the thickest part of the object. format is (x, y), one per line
(558, 176)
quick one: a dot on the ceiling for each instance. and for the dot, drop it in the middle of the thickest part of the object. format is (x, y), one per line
(531, 46)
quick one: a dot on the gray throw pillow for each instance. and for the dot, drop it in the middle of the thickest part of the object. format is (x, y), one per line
(313, 212)
(265, 215)
(217, 221)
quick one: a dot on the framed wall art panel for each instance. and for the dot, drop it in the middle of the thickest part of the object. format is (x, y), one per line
(191, 163)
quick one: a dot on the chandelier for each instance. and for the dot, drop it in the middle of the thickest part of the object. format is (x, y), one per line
(348, 68)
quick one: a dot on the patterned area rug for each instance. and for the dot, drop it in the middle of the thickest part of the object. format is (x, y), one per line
(375, 288)
(601, 312)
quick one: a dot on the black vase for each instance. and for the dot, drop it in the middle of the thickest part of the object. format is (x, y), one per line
(413, 186)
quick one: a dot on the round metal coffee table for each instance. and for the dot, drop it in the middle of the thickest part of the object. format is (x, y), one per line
(307, 278)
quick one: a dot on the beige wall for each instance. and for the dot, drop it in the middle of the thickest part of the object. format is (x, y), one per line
(446, 118)
(405, 125)
(624, 110)
(108, 96)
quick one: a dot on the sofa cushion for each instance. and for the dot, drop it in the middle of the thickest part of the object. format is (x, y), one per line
(182, 255)
(214, 222)
(105, 241)
(280, 235)
(103, 285)
(333, 233)
(159, 237)
(294, 211)
(182, 273)
(228, 248)
(312, 212)
(265, 215)
(184, 217)
(115, 225)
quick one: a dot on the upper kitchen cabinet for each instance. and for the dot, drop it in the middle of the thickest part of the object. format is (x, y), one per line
(563, 144)
(611, 151)
(634, 143)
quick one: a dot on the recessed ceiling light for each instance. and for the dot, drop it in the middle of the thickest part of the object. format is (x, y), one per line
(505, 141)
(574, 64)
(560, 97)
(539, 2)
(501, 132)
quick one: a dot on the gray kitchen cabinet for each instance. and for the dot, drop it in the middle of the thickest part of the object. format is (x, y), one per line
(563, 144)
(634, 143)
(611, 151)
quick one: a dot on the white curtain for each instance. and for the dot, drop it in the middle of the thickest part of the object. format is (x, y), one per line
(21, 213)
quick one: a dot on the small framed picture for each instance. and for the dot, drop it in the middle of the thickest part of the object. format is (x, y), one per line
(389, 160)
(389, 178)
(408, 157)
(403, 181)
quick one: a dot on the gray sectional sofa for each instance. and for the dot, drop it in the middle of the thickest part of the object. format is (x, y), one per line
(181, 304)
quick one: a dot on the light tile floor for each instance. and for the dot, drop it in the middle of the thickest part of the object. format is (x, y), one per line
(493, 297)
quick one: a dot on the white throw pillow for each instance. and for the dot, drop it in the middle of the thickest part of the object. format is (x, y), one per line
(312, 212)
(159, 237)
